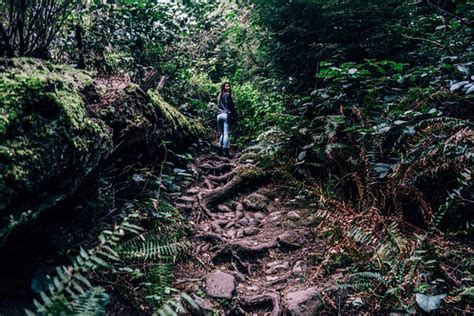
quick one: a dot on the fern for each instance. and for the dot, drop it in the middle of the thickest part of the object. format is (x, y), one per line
(171, 307)
(268, 144)
(159, 282)
(69, 286)
(361, 237)
(92, 302)
(163, 253)
(15, 222)
(351, 285)
(394, 236)
(372, 276)
(464, 180)
(150, 246)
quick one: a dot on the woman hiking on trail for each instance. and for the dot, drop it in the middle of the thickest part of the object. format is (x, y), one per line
(226, 116)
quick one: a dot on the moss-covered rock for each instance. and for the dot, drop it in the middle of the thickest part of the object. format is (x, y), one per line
(58, 123)
(141, 121)
(176, 120)
(48, 144)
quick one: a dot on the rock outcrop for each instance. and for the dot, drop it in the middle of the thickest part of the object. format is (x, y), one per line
(57, 124)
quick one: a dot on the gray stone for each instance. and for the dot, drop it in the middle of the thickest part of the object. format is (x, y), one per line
(244, 221)
(231, 233)
(290, 238)
(255, 222)
(220, 285)
(255, 201)
(293, 216)
(251, 231)
(278, 267)
(240, 233)
(298, 268)
(259, 215)
(303, 303)
(203, 308)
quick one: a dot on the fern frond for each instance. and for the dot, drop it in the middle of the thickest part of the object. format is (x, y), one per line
(371, 275)
(362, 237)
(92, 302)
(150, 246)
(173, 306)
(353, 285)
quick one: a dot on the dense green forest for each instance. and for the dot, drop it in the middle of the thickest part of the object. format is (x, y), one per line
(348, 188)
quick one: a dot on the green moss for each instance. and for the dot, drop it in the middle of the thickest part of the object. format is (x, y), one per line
(336, 234)
(254, 172)
(174, 117)
(315, 220)
(338, 260)
(48, 144)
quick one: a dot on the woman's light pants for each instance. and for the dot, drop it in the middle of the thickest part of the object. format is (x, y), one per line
(222, 121)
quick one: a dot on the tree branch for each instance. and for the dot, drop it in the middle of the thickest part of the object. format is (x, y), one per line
(425, 40)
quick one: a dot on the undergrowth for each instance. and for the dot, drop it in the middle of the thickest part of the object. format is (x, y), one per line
(133, 258)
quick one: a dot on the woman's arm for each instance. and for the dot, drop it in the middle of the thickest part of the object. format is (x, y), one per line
(231, 106)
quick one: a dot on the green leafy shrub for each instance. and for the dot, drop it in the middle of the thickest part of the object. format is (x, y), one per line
(257, 109)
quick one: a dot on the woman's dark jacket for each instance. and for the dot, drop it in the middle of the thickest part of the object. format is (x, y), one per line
(226, 105)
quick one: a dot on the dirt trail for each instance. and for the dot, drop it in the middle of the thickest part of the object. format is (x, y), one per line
(253, 244)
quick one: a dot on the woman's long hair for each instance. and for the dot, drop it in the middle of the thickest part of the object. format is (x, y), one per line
(219, 97)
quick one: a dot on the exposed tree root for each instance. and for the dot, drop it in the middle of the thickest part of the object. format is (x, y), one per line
(220, 179)
(209, 184)
(239, 207)
(219, 168)
(243, 247)
(245, 177)
(225, 177)
(210, 236)
(243, 264)
(204, 207)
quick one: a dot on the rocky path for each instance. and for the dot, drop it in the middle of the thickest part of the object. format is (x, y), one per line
(253, 242)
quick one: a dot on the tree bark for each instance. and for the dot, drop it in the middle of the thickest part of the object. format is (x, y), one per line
(81, 63)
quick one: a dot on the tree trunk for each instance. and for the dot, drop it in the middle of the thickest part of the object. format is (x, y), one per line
(81, 63)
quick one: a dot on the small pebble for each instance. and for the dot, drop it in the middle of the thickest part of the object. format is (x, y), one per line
(292, 215)
(259, 215)
(244, 221)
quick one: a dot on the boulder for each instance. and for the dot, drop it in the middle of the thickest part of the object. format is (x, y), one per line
(220, 285)
(57, 124)
(303, 303)
(48, 143)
